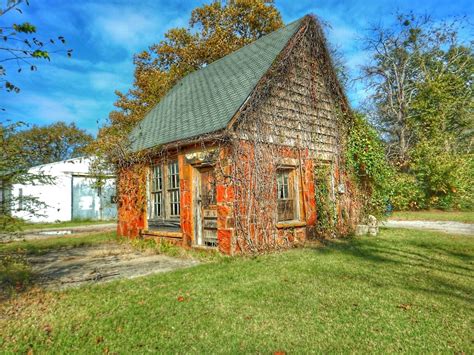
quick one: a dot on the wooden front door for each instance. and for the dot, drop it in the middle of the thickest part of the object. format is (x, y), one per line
(206, 208)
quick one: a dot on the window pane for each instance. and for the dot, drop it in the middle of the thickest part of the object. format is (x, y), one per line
(156, 195)
(284, 196)
(157, 205)
(173, 188)
(157, 179)
(173, 175)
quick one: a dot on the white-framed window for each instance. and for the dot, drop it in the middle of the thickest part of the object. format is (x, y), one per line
(173, 188)
(286, 195)
(156, 192)
(164, 197)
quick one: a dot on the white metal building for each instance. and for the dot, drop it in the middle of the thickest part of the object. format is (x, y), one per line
(73, 195)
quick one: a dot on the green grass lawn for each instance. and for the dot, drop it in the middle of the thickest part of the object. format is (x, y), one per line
(434, 215)
(404, 291)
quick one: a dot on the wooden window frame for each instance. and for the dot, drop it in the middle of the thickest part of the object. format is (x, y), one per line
(164, 189)
(287, 194)
(172, 189)
(156, 192)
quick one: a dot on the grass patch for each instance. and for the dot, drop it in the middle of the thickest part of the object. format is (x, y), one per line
(65, 224)
(39, 246)
(15, 274)
(404, 291)
(173, 250)
(434, 215)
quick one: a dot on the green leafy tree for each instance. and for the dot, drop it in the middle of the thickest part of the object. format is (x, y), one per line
(443, 120)
(443, 105)
(365, 156)
(421, 79)
(54, 142)
(14, 169)
(21, 48)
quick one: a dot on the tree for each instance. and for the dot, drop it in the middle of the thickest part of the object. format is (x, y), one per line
(443, 105)
(14, 165)
(20, 47)
(365, 157)
(406, 56)
(214, 31)
(392, 75)
(55, 142)
(421, 79)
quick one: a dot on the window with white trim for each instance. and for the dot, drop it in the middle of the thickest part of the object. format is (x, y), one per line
(156, 192)
(173, 188)
(164, 198)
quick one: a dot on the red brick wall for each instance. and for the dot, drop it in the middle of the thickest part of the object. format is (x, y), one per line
(255, 196)
(246, 216)
(186, 200)
(131, 186)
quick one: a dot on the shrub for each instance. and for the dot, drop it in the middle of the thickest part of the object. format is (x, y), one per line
(366, 159)
(407, 193)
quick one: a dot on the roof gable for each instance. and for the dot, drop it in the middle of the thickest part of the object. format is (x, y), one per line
(206, 100)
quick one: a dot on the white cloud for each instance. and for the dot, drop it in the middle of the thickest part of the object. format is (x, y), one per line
(131, 28)
(125, 29)
(50, 108)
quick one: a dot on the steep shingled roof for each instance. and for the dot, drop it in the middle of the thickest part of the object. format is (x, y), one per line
(206, 100)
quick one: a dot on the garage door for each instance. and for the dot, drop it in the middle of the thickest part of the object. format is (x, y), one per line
(92, 202)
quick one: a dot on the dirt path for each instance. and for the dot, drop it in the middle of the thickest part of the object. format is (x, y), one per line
(100, 263)
(441, 226)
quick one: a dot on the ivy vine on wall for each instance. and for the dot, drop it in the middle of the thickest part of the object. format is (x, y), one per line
(366, 161)
(325, 201)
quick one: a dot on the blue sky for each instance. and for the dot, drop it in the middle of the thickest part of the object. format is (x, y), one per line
(105, 34)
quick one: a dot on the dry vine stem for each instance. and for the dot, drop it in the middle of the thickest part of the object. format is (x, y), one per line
(296, 118)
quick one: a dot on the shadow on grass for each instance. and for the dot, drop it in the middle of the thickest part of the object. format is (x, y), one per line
(439, 267)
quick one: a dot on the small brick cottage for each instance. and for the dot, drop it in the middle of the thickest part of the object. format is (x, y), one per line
(237, 154)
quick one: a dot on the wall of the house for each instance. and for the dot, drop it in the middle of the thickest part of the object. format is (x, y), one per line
(132, 199)
(255, 211)
(232, 199)
(299, 110)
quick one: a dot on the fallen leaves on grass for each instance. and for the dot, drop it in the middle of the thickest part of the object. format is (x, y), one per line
(405, 306)
(47, 329)
(21, 306)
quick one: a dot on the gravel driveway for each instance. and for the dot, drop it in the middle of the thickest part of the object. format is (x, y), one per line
(447, 227)
(44, 233)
